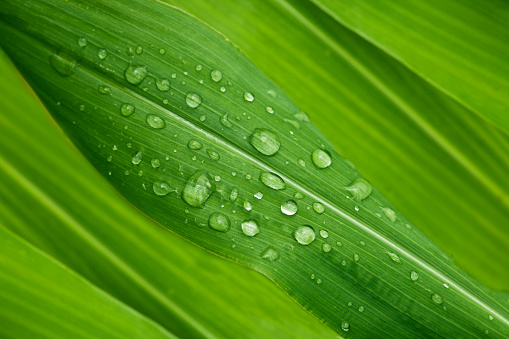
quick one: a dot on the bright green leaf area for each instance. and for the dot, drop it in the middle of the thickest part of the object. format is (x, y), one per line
(53, 198)
(440, 164)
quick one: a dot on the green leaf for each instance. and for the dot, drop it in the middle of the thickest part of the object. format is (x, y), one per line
(432, 158)
(52, 197)
(364, 287)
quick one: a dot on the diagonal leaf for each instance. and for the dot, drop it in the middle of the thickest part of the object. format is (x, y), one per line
(52, 197)
(254, 154)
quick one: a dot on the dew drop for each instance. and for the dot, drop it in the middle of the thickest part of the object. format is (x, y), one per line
(135, 74)
(289, 207)
(102, 53)
(248, 206)
(324, 234)
(298, 196)
(248, 96)
(301, 162)
(437, 299)
(193, 100)
(139, 49)
(446, 285)
(389, 213)
(321, 158)
(198, 189)
(234, 194)
(199, 67)
(490, 317)
(345, 326)
(265, 141)
(394, 257)
(127, 109)
(318, 207)
(222, 89)
(250, 227)
(301, 116)
(293, 123)
(304, 235)
(162, 51)
(272, 93)
(219, 222)
(63, 63)
(326, 248)
(414, 276)
(216, 75)
(361, 309)
(213, 155)
(339, 244)
(360, 189)
(104, 90)
(194, 145)
(269, 254)
(161, 188)
(155, 122)
(356, 257)
(225, 122)
(82, 41)
(137, 157)
(163, 85)
(272, 180)
(155, 163)
(269, 109)
(258, 195)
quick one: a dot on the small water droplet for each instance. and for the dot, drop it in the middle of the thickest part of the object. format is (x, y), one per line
(437, 299)
(161, 188)
(394, 257)
(272, 180)
(104, 90)
(345, 326)
(272, 93)
(266, 142)
(193, 100)
(234, 194)
(312, 276)
(198, 189)
(301, 116)
(127, 109)
(213, 155)
(109, 158)
(219, 222)
(222, 89)
(324, 234)
(248, 176)
(301, 162)
(258, 195)
(361, 309)
(137, 157)
(248, 96)
(155, 122)
(326, 248)
(194, 145)
(82, 41)
(298, 196)
(321, 158)
(102, 53)
(359, 188)
(293, 123)
(356, 257)
(269, 109)
(446, 285)
(162, 51)
(289, 207)
(135, 74)
(318, 281)
(250, 227)
(225, 122)
(163, 85)
(63, 62)
(269, 254)
(356, 208)
(216, 75)
(155, 163)
(139, 49)
(199, 67)
(304, 235)
(248, 206)
(490, 317)
(203, 118)
(343, 263)
(414, 276)
(339, 244)
(389, 213)
(318, 207)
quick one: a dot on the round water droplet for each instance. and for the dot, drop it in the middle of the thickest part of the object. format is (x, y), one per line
(301, 116)
(155, 163)
(163, 85)
(225, 122)
(345, 326)
(193, 100)
(104, 90)
(361, 309)
(490, 317)
(437, 299)
(318, 281)
(324, 234)
(414, 276)
(304, 235)
(250, 227)
(162, 51)
(234, 194)
(265, 141)
(269, 254)
(390, 214)
(127, 109)
(289, 207)
(321, 158)
(194, 145)
(248, 96)
(199, 67)
(82, 41)
(269, 109)
(155, 122)
(258, 195)
(318, 207)
(301, 162)
(219, 222)
(216, 75)
(137, 157)
(272, 180)
(356, 257)
(102, 53)
(139, 49)
(213, 155)
(63, 62)
(135, 74)
(161, 188)
(198, 189)
(326, 248)
(248, 206)
(394, 257)
(360, 189)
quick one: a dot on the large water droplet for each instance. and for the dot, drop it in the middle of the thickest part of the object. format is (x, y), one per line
(248, 96)
(250, 227)
(63, 62)
(163, 85)
(82, 41)
(389, 213)
(269, 254)
(219, 222)
(394, 257)
(137, 157)
(194, 145)
(289, 207)
(345, 326)
(318, 207)
(135, 74)
(161, 188)
(304, 235)
(272, 180)
(216, 75)
(414, 276)
(127, 109)
(437, 298)
(359, 188)
(102, 53)
(265, 141)
(193, 100)
(198, 189)
(321, 158)
(155, 122)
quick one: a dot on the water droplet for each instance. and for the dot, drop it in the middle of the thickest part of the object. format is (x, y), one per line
(155, 122)
(360, 189)
(304, 235)
(301, 116)
(219, 222)
(155, 163)
(343, 263)
(137, 157)
(161, 188)
(234, 194)
(139, 49)
(318, 281)
(298, 196)
(248, 206)
(318, 207)
(248, 176)
(272, 93)
(104, 90)
(194, 145)
(216, 75)
(437, 299)
(326, 248)
(225, 122)
(339, 244)
(301, 162)
(265, 141)
(490, 317)
(203, 118)
(199, 67)
(193, 100)
(198, 189)
(162, 51)
(135, 74)
(127, 109)
(63, 62)
(269, 109)
(356, 257)
(272, 180)
(163, 85)
(414, 276)
(394, 257)
(312, 276)
(258, 195)
(82, 41)
(345, 326)
(269, 254)
(321, 158)
(289, 207)
(361, 309)
(102, 53)
(250, 227)
(109, 158)
(389, 213)
(248, 96)
(446, 285)
(213, 155)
